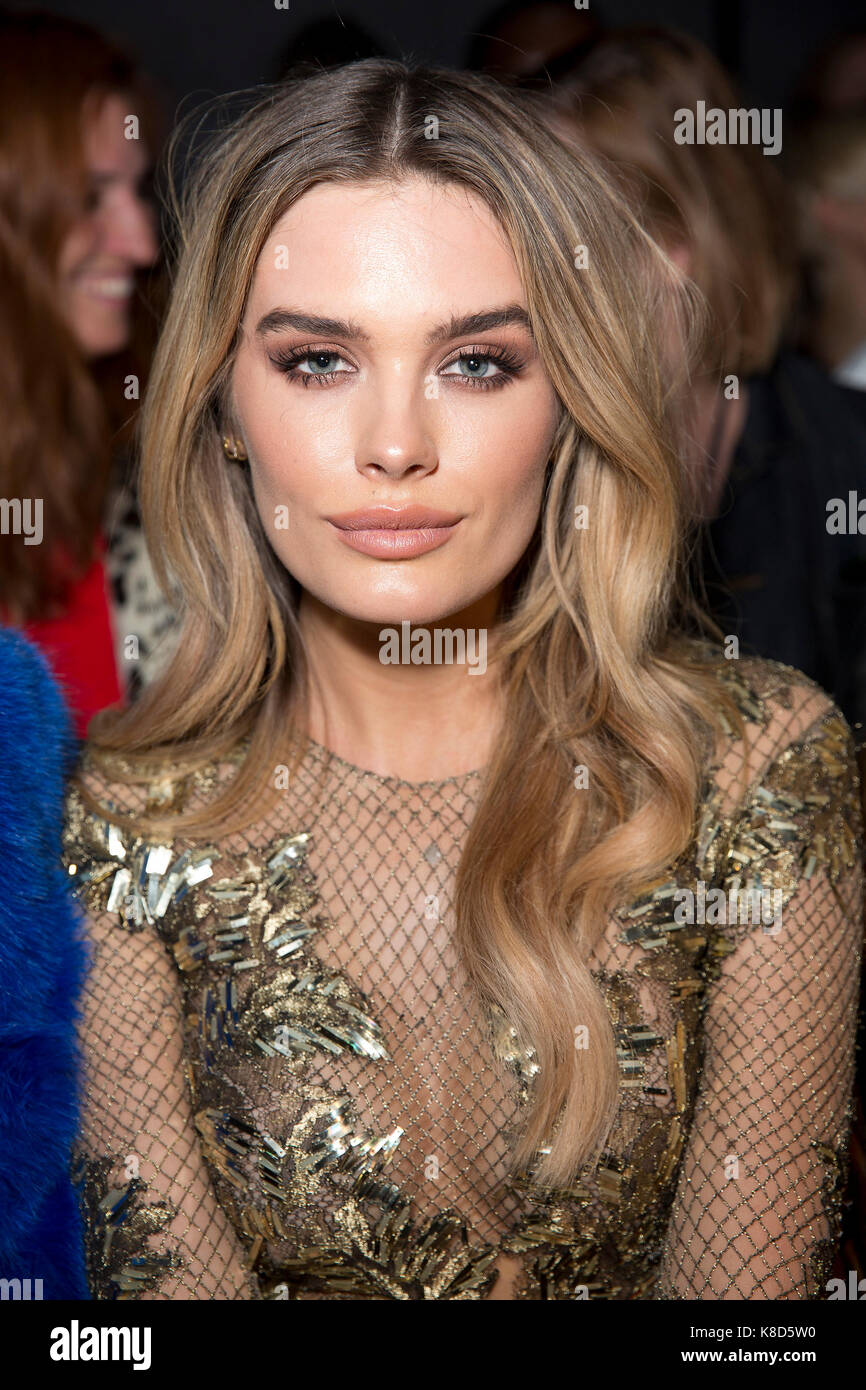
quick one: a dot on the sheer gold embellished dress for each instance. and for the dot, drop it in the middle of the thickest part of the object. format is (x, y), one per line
(289, 1093)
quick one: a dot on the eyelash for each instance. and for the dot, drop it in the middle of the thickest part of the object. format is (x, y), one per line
(508, 362)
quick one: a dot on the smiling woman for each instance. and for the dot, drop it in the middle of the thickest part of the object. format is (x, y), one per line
(387, 1001)
(75, 228)
(114, 236)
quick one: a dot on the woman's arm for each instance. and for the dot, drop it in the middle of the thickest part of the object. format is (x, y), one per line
(154, 1227)
(756, 1210)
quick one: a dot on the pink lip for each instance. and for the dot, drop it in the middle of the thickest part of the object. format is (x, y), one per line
(410, 518)
(399, 544)
(395, 533)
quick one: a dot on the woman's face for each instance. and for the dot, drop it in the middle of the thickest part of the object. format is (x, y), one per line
(386, 362)
(115, 236)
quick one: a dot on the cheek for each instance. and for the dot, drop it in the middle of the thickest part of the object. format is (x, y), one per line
(302, 450)
(510, 449)
(80, 243)
(515, 505)
(301, 441)
(294, 453)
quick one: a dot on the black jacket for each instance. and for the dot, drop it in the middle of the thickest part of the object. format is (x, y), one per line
(774, 575)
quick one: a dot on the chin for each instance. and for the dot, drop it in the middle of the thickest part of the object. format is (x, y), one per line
(388, 611)
(103, 339)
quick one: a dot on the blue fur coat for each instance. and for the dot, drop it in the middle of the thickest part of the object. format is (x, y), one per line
(42, 961)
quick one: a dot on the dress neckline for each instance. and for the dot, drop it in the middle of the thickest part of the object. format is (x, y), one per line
(324, 754)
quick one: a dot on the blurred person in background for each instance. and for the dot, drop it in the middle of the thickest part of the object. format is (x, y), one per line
(77, 229)
(827, 164)
(518, 38)
(770, 459)
(835, 80)
(773, 439)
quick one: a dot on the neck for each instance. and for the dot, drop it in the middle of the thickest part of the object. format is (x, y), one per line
(421, 722)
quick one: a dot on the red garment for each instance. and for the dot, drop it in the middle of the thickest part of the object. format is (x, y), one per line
(79, 646)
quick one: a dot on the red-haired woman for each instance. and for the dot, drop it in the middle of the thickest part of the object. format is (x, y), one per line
(75, 228)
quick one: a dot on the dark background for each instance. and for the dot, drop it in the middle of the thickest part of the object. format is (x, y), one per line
(198, 47)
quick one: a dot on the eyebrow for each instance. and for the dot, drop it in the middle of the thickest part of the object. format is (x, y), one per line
(465, 326)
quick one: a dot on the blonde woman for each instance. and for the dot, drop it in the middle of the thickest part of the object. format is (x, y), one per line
(419, 978)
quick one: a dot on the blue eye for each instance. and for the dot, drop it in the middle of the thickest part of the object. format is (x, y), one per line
(321, 362)
(488, 368)
(485, 368)
(308, 365)
(477, 366)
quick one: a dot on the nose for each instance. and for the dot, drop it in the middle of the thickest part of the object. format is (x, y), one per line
(395, 438)
(130, 229)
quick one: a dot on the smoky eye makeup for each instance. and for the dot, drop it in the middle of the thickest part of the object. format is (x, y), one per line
(482, 366)
(319, 355)
(508, 364)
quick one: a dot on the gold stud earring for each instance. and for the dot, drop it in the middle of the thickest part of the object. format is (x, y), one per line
(234, 449)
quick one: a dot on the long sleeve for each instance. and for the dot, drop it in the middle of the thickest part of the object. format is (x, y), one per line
(41, 970)
(756, 1210)
(154, 1229)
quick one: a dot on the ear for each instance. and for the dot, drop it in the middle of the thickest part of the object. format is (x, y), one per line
(681, 255)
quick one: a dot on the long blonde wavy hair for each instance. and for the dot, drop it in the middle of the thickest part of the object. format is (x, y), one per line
(598, 668)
